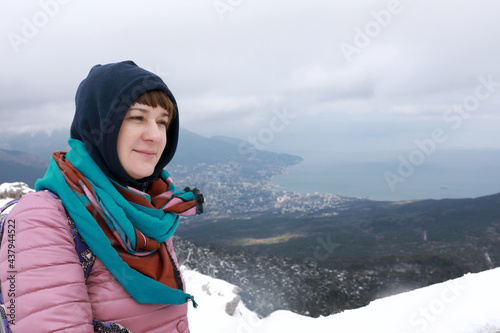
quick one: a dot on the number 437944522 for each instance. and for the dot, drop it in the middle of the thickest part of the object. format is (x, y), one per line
(11, 234)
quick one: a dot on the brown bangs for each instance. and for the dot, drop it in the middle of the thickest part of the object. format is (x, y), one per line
(159, 98)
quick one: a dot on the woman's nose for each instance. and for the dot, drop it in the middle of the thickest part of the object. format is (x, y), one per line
(153, 131)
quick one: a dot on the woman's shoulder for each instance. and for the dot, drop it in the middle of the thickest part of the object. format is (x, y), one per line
(40, 199)
(39, 207)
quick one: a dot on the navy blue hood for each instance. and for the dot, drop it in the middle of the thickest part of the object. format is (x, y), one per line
(102, 101)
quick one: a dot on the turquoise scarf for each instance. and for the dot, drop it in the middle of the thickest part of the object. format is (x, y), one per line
(154, 223)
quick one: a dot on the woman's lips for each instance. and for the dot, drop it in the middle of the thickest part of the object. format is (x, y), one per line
(146, 153)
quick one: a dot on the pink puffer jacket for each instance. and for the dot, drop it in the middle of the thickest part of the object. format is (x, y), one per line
(46, 282)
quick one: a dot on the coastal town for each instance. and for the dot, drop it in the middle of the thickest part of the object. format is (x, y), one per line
(233, 191)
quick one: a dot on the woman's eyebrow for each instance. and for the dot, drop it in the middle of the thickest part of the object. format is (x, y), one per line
(143, 110)
(139, 109)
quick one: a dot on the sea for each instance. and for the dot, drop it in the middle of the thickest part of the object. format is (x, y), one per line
(396, 176)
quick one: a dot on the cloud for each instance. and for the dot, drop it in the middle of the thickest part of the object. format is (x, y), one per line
(41, 118)
(229, 70)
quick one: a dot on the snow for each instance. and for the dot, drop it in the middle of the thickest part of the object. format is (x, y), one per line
(468, 304)
(4, 201)
(16, 186)
(215, 294)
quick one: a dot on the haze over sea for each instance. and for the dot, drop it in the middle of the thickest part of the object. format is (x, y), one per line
(451, 173)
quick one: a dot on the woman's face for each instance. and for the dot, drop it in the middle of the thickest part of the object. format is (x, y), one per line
(142, 139)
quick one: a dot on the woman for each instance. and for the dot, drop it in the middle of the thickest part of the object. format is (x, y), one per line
(110, 189)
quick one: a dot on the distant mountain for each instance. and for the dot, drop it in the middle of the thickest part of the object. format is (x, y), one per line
(39, 144)
(19, 166)
(14, 190)
(24, 157)
(194, 149)
(228, 139)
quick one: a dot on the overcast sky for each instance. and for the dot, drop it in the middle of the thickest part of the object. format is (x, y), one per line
(294, 75)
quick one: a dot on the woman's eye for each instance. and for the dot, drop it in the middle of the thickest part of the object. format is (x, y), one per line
(136, 117)
(163, 123)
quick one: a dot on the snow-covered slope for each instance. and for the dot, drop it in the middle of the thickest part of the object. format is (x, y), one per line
(469, 304)
(16, 186)
(16, 189)
(8, 191)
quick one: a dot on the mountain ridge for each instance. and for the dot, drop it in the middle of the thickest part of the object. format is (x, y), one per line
(25, 157)
(20, 166)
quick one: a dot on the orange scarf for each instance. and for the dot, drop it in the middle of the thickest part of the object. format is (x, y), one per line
(144, 249)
